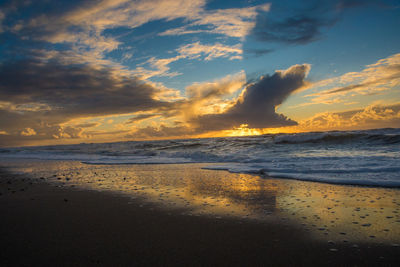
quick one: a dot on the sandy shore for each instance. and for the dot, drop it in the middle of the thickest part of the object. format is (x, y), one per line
(44, 224)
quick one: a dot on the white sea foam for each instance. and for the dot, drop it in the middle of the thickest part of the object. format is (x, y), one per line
(352, 157)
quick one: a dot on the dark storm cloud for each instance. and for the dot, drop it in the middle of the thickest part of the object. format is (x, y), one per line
(41, 96)
(304, 25)
(256, 107)
(299, 29)
(74, 90)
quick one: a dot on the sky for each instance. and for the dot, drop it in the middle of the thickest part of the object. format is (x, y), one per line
(119, 70)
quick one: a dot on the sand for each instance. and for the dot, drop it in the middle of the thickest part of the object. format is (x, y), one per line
(45, 222)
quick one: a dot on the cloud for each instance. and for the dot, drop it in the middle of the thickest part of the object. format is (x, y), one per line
(257, 51)
(78, 30)
(201, 98)
(42, 95)
(375, 83)
(7, 8)
(343, 4)
(82, 25)
(88, 125)
(141, 117)
(257, 103)
(211, 97)
(76, 89)
(32, 127)
(214, 106)
(195, 50)
(28, 132)
(375, 78)
(2, 17)
(299, 29)
(232, 22)
(160, 66)
(301, 26)
(372, 116)
(216, 89)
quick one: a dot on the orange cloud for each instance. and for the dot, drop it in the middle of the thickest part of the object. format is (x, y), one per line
(373, 116)
(376, 78)
(28, 132)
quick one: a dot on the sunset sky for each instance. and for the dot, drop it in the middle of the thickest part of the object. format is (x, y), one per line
(117, 70)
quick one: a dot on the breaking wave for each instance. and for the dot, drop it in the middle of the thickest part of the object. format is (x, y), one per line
(384, 136)
(368, 157)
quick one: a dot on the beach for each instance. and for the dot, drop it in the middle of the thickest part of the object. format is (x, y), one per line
(199, 133)
(55, 213)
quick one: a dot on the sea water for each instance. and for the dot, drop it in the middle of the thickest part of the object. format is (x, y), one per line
(369, 157)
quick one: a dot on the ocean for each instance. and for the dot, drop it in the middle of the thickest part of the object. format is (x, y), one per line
(368, 157)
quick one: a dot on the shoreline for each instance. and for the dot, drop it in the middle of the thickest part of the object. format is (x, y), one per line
(44, 224)
(207, 166)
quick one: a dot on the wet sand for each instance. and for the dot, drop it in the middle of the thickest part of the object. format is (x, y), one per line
(252, 222)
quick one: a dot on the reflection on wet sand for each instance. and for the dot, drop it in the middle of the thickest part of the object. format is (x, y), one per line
(332, 212)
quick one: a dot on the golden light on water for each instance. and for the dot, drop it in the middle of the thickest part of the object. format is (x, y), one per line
(329, 212)
(243, 130)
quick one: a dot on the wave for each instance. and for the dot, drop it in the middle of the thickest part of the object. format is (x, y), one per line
(380, 177)
(368, 157)
(386, 136)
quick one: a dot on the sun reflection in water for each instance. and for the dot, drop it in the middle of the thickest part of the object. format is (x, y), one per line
(331, 212)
